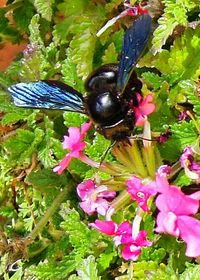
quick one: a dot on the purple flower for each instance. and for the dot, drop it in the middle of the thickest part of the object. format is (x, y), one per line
(191, 167)
(182, 116)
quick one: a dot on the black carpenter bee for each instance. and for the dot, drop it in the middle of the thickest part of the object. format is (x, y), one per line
(111, 89)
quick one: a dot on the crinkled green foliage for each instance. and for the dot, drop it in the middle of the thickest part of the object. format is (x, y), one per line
(148, 270)
(107, 257)
(22, 146)
(98, 147)
(175, 13)
(81, 237)
(87, 269)
(62, 36)
(192, 272)
(44, 8)
(182, 135)
(110, 54)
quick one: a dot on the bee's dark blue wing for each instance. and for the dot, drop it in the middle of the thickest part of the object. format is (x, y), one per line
(47, 95)
(135, 40)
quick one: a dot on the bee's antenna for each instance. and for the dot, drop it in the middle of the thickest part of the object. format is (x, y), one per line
(107, 151)
(137, 137)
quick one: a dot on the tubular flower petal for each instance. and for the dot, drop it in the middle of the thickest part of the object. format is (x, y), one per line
(106, 227)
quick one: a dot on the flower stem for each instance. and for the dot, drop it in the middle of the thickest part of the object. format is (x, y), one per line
(13, 6)
(149, 157)
(56, 203)
(194, 121)
(121, 200)
(176, 167)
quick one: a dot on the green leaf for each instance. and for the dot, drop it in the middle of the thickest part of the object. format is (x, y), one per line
(156, 272)
(153, 80)
(49, 146)
(190, 90)
(56, 270)
(73, 119)
(182, 180)
(61, 30)
(6, 31)
(34, 29)
(36, 65)
(46, 180)
(183, 135)
(83, 46)
(23, 15)
(44, 8)
(179, 62)
(175, 13)
(75, 8)
(23, 145)
(69, 72)
(7, 211)
(14, 117)
(162, 33)
(98, 147)
(80, 236)
(110, 56)
(87, 269)
(191, 273)
(107, 257)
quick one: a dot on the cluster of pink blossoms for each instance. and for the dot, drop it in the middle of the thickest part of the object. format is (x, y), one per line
(176, 209)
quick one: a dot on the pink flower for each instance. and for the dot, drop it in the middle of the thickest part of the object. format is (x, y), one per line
(140, 192)
(132, 250)
(94, 199)
(192, 168)
(74, 142)
(123, 234)
(145, 107)
(175, 218)
(131, 247)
